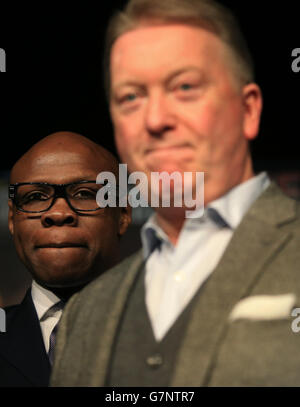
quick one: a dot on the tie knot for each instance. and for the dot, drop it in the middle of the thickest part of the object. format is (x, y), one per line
(58, 306)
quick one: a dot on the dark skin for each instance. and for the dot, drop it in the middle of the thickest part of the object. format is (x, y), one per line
(88, 244)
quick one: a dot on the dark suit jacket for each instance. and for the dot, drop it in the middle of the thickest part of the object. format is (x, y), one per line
(23, 358)
(262, 258)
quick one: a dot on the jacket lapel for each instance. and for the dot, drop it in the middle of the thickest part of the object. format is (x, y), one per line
(254, 243)
(23, 345)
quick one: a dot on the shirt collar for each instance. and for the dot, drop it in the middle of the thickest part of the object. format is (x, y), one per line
(233, 206)
(228, 209)
(43, 299)
(152, 236)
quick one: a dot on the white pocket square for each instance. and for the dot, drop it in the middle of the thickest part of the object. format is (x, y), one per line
(264, 307)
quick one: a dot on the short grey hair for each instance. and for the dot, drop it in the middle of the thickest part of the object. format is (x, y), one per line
(207, 14)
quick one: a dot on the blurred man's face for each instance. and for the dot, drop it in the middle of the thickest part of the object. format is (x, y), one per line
(176, 106)
(60, 247)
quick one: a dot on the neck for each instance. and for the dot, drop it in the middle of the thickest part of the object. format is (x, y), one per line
(171, 220)
(64, 293)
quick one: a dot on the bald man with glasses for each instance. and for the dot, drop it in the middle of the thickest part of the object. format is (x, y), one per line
(63, 237)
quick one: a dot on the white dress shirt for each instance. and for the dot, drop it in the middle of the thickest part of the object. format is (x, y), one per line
(175, 273)
(43, 300)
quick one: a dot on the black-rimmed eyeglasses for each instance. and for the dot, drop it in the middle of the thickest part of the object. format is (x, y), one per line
(35, 197)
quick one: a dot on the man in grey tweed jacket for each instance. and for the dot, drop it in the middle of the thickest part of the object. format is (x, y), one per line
(210, 301)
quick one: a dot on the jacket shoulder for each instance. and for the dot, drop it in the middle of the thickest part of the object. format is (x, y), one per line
(114, 275)
(276, 208)
(100, 291)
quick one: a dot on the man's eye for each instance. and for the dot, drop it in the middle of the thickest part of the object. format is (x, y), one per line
(35, 196)
(85, 194)
(185, 86)
(130, 97)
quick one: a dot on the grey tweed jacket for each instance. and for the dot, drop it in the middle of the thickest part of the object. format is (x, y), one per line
(253, 349)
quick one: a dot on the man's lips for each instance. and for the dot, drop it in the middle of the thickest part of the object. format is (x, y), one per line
(61, 245)
(167, 148)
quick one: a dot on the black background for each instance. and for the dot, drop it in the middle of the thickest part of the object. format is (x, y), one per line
(54, 75)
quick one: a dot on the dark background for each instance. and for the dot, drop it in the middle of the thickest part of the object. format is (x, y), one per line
(54, 75)
(54, 83)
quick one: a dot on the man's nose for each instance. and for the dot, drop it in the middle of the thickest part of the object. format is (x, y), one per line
(60, 214)
(159, 116)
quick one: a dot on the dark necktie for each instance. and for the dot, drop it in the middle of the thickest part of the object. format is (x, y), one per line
(52, 341)
(56, 307)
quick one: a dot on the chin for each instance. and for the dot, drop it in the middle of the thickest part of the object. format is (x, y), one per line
(62, 276)
(162, 166)
(62, 283)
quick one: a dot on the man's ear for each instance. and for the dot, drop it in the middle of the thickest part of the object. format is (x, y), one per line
(125, 219)
(11, 217)
(253, 103)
